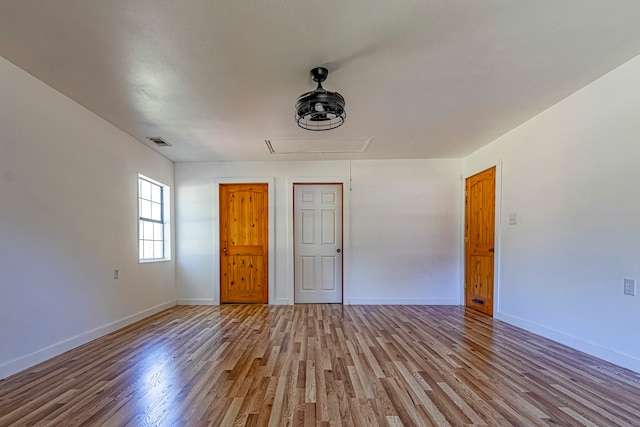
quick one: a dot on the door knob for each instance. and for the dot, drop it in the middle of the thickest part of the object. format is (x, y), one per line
(339, 250)
(491, 250)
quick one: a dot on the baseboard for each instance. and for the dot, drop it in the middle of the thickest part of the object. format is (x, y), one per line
(403, 301)
(39, 356)
(205, 301)
(600, 352)
(197, 301)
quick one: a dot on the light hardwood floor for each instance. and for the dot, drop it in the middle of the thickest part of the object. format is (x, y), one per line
(327, 365)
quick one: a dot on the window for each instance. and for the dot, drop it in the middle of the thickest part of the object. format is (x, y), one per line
(153, 214)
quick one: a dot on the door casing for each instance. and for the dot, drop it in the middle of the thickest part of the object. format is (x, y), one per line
(288, 293)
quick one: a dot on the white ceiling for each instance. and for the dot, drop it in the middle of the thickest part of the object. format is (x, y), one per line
(422, 78)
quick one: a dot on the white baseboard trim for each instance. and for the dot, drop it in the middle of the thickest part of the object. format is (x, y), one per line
(281, 301)
(595, 350)
(197, 301)
(39, 356)
(403, 301)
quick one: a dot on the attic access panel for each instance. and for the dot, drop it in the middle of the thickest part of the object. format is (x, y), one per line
(317, 145)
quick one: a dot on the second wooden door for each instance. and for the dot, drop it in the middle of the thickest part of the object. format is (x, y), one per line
(479, 240)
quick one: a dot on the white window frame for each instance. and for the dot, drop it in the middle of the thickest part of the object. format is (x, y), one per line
(163, 222)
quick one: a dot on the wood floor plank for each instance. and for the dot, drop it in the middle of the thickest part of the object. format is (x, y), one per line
(321, 365)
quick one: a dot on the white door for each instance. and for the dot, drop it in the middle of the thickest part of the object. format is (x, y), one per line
(318, 243)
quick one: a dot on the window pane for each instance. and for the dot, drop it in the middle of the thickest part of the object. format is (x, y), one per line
(156, 211)
(148, 249)
(141, 230)
(145, 209)
(145, 189)
(148, 230)
(157, 231)
(158, 249)
(141, 254)
(156, 193)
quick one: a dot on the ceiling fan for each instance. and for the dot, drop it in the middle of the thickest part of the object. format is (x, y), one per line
(320, 109)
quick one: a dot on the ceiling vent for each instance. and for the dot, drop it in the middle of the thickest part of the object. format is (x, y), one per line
(158, 141)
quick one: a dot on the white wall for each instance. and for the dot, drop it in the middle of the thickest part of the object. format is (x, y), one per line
(571, 175)
(406, 225)
(68, 194)
(402, 228)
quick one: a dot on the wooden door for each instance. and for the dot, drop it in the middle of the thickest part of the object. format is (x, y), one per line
(479, 240)
(317, 243)
(244, 243)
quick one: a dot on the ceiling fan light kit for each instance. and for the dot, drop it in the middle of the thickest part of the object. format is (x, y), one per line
(320, 109)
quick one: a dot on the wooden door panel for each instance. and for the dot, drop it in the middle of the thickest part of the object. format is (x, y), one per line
(243, 243)
(480, 283)
(479, 241)
(234, 250)
(246, 278)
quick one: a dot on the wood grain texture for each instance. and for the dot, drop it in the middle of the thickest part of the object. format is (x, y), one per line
(321, 365)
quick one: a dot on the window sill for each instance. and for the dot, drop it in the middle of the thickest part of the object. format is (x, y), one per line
(153, 261)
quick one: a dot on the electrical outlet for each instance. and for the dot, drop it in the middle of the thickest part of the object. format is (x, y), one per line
(116, 274)
(630, 287)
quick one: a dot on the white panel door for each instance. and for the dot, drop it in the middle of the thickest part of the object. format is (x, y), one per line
(318, 243)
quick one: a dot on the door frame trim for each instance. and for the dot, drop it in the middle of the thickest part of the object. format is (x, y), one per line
(497, 243)
(346, 241)
(271, 280)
